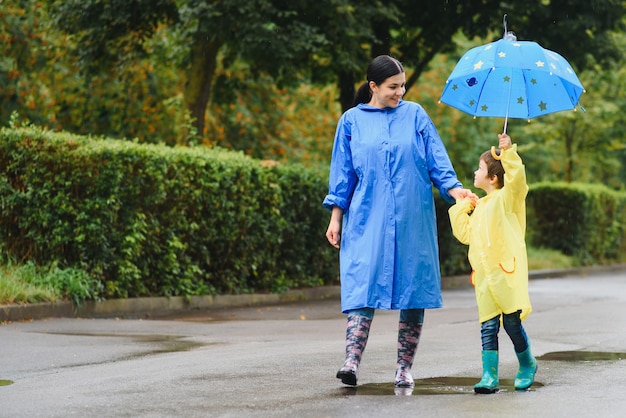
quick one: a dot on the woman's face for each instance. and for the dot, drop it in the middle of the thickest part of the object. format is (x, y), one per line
(389, 92)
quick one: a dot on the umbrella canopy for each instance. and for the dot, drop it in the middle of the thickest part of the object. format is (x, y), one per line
(512, 79)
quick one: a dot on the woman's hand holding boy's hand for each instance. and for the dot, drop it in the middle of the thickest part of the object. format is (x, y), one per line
(505, 141)
(464, 194)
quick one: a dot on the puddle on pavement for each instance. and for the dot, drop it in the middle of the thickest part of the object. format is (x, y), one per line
(582, 356)
(165, 343)
(5, 382)
(429, 386)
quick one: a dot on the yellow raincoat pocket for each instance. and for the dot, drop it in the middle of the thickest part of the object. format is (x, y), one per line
(509, 267)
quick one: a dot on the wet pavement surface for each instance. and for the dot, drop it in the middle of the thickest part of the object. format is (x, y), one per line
(280, 361)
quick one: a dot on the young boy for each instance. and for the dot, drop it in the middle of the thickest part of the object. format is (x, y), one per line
(494, 228)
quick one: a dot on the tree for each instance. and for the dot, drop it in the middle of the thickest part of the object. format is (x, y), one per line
(585, 146)
(24, 51)
(325, 39)
(113, 33)
(415, 35)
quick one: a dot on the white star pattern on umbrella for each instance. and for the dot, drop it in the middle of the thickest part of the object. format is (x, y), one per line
(512, 79)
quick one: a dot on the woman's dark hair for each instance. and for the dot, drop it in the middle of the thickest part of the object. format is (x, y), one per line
(494, 167)
(381, 68)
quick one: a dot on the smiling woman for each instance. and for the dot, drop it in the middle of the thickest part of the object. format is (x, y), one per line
(386, 158)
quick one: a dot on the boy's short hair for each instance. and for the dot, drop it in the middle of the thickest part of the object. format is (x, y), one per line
(494, 167)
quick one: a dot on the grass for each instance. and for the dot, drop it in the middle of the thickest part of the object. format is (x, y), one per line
(544, 258)
(27, 283)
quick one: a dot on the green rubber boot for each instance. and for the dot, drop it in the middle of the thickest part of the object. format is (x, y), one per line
(489, 383)
(527, 369)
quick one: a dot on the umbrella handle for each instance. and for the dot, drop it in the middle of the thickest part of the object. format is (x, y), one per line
(494, 155)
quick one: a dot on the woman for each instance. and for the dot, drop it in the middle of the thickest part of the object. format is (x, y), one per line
(386, 158)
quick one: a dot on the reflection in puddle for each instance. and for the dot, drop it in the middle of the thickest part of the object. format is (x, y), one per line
(582, 356)
(6, 382)
(429, 386)
(465, 385)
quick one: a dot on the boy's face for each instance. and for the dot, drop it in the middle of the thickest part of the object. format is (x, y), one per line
(481, 178)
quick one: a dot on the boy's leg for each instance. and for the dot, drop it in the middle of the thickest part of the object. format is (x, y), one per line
(489, 336)
(527, 363)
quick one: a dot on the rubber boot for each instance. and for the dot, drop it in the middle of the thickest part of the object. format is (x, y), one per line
(527, 369)
(357, 332)
(489, 383)
(408, 339)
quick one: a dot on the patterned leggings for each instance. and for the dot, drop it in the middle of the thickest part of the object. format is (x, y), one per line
(412, 316)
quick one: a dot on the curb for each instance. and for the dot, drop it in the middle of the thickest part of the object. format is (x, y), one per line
(154, 307)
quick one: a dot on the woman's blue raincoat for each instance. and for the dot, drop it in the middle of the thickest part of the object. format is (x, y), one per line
(384, 164)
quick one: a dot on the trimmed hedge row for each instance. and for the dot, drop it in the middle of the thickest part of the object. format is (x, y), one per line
(586, 221)
(150, 220)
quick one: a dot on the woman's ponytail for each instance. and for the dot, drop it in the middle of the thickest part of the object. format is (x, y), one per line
(363, 94)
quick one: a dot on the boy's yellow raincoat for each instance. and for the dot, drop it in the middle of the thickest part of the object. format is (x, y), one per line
(495, 233)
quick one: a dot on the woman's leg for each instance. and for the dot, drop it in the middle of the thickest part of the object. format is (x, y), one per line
(409, 331)
(527, 363)
(357, 333)
(489, 337)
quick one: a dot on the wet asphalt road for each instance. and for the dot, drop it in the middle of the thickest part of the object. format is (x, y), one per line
(280, 361)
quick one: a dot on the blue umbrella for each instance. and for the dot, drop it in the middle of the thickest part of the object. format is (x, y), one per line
(512, 79)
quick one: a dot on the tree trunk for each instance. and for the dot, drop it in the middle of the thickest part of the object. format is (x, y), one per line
(200, 77)
(346, 90)
(570, 135)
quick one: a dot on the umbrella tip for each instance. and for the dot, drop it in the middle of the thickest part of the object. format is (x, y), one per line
(508, 35)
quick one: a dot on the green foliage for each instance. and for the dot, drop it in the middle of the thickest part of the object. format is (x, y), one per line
(585, 221)
(548, 259)
(150, 220)
(112, 31)
(29, 283)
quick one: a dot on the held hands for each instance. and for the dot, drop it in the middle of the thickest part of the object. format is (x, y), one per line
(463, 194)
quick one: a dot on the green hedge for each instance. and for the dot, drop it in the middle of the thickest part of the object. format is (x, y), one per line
(585, 221)
(150, 220)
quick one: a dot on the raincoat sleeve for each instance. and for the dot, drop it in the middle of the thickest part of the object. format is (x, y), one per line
(515, 187)
(440, 168)
(460, 220)
(343, 178)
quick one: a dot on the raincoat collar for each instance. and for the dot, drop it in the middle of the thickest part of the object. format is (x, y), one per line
(369, 108)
